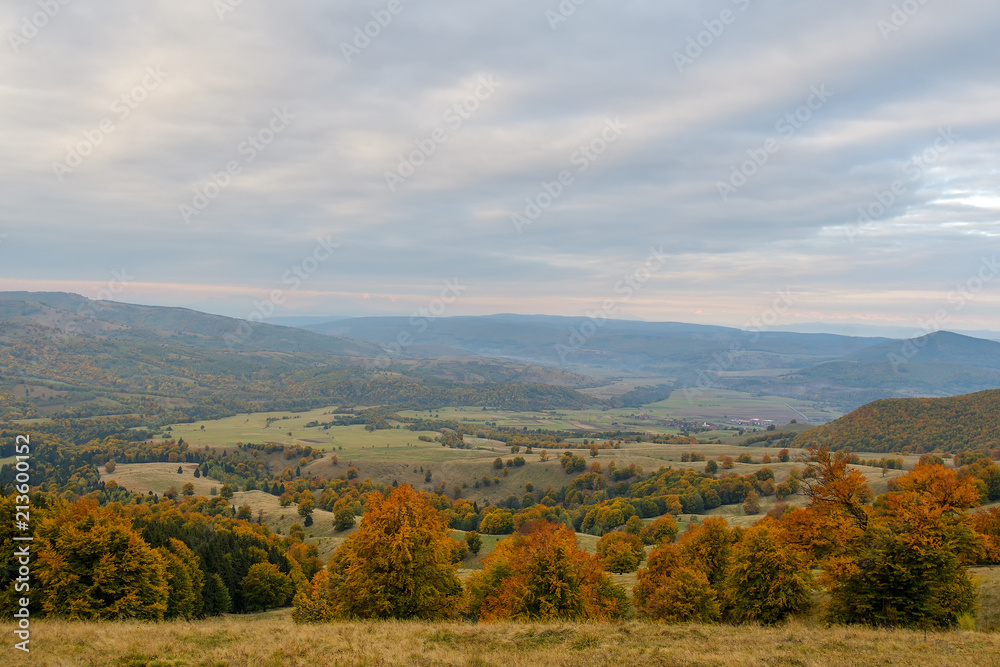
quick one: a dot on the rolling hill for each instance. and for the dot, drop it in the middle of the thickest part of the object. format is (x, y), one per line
(914, 426)
(840, 371)
(65, 355)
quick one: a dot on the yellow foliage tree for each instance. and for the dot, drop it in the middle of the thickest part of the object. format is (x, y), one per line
(398, 564)
(92, 565)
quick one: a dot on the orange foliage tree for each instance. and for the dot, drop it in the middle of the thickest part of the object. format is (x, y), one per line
(908, 567)
(398, 564)
(670, 589)
(541, 573)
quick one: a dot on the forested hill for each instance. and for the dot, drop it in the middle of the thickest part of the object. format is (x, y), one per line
(62, 355)
(915, 425)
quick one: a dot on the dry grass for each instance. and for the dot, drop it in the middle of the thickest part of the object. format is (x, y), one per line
(272, 640)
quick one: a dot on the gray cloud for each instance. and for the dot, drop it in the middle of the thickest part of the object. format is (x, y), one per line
(792, 225)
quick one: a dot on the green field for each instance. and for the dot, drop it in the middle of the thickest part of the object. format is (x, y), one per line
(398, 455)
(721, 403)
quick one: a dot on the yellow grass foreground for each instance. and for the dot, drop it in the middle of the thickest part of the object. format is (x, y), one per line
(272, 640)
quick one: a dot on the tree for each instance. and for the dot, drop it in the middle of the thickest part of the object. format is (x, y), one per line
(751, 504)
(708, 547)
(766, 580)
(215, 596)
(634, 525)
(307, 503)
(908, 566)
(266, 587)
(109, 467)
(92, 565)
(541, 573)
(711, 467)
(343, 515)
(398, 564)
(671, 590)
(226, 491)
(188, 489)
(313, 604)
(473, 541)
(499, 522)
(185, 580)
(663, 529)
(180, 470)
(621, 552)
(832, 487)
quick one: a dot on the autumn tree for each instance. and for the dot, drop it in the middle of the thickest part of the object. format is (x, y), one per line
(473, 541)
(398, 564)
(621, 552)
(673, 590)
(184, 578)
(541, 573)
(708, 547)
(751, 504)
(307, 503)
(498, 522)
(908, 567)
(765, 580)
(833, 487)
(663, 529)
(266, 587)
(312, 604)
(92, 565)
(343, 515)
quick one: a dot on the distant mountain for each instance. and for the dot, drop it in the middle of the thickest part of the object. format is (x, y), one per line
(841, 371)
(914, 425)
(942, 347)
(72, 313)
(582, 344)
(65, 355)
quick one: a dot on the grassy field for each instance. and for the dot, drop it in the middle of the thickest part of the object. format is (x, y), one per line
(272, 640)
(398, 455)
(720, 403)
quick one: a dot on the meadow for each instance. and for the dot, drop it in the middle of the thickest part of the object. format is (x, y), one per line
(272, 640)
(398, 455)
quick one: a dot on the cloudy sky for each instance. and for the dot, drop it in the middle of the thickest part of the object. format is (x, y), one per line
(692, 161)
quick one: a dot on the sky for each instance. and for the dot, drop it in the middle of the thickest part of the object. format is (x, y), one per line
(718, 162)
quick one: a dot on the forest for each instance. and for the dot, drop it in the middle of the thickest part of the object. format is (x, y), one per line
(899, 559)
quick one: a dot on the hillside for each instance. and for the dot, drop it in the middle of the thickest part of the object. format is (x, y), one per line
(64, 355)
(844, 372)
(915, 425)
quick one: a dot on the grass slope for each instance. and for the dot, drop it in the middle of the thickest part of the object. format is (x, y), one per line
(272, 640)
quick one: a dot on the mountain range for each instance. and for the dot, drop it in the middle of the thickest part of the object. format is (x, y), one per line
(64, 354)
